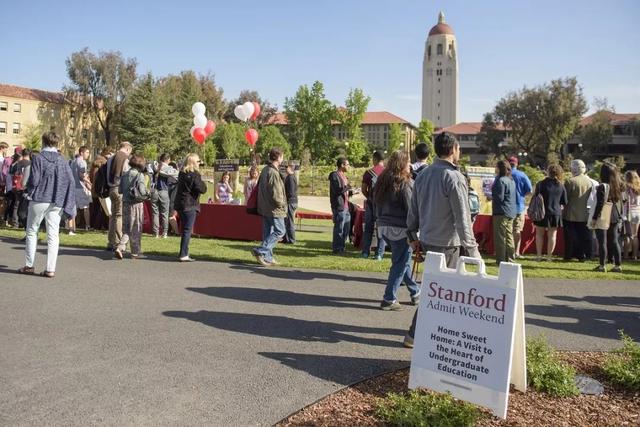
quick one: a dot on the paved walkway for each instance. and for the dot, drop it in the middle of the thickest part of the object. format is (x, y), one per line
(159, 342)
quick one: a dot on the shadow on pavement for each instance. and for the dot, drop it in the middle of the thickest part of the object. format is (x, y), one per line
(585, 321)
(289, 328)
(274, 296)
(617, 301)
(338, 369)
(306, 275)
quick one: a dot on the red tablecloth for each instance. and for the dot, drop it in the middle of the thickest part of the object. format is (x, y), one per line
(222, 221)
(483, 231)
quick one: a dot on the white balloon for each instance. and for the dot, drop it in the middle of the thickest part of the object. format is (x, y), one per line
(249, 109)
(192, 129)
(200, 121)
(240, 113)
(198, 109)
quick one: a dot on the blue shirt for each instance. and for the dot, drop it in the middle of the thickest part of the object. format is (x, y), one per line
(503, 197)
(523, 187)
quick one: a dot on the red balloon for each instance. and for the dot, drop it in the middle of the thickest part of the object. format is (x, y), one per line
(199, 135)
(252, 136)
(256, 111)
(210, 127)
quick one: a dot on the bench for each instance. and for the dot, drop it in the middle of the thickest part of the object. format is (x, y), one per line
(312, 215)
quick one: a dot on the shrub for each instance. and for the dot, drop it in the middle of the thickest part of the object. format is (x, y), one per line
(417, 408)
(546, 373)
(535, 175)
(623, 367)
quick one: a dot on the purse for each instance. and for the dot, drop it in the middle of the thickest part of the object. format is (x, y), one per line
(604, 221)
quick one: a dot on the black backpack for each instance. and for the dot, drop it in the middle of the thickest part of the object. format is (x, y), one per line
(100, 184)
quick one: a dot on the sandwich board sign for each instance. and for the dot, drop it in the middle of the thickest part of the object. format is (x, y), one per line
(469, 337)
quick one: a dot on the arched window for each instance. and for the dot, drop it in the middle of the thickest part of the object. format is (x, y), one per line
(428, 51)
(439, 49)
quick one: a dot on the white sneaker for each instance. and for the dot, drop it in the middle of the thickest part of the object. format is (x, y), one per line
(71, 233)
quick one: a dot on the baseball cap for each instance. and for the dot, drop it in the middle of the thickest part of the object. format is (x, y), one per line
(513, 160)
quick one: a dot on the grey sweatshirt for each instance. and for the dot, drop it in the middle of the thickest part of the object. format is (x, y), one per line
(440, 208)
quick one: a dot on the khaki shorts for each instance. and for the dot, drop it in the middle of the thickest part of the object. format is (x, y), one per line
(518, 223)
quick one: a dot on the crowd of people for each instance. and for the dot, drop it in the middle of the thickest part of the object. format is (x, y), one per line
(410, 208)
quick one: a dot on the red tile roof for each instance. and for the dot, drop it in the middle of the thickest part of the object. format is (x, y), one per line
(28, 93)
(616, 118)
(370, 118)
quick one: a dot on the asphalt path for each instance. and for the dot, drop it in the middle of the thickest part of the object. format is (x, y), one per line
(157, 342)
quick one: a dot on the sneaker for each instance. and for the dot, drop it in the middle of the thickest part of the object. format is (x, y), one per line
(260, 258)
(378, 258)
(118, 254)
(415, 300)
(600, 268)
(187, 259)
(408, 341)
(164, 236)
(616, 269)
(364, 256)
(134, 256)
(71, 233)
(157, 236)
(390, 306)
(274, 262)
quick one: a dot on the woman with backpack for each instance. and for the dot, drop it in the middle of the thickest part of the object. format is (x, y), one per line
(134, 191)
(392, 198)
(190, 187)
(554, 198)
(606, 217)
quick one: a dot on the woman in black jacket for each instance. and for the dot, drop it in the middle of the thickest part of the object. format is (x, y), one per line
(610, 190)
(392, 196)
(187, 203)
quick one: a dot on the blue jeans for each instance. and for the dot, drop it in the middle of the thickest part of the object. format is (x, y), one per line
(341, 227)
(367, 237)
(272, 232)
(187, 219)
(400, 270)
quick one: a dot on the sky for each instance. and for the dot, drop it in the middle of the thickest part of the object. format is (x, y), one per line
(377, 45)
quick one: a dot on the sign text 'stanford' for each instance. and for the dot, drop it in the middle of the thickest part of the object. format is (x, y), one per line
(471, 297)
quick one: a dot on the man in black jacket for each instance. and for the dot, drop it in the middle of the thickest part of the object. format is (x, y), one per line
(291, 190)
(339, 192)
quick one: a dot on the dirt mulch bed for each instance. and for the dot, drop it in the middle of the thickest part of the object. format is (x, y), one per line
(355, 406)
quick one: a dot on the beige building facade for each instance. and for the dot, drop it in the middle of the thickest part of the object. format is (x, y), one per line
(440, 76)
(25, 112)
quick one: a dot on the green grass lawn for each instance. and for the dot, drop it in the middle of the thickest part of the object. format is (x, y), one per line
(313, 251)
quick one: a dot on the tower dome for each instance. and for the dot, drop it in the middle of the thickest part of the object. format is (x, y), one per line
(441, 27)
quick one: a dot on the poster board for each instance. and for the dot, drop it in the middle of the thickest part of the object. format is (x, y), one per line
(226, 165)
(481, 178)
(470, 338)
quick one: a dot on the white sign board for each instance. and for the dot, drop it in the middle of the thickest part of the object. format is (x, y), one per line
(469, 338)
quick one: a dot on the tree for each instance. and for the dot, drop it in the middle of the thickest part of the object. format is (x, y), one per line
(32, 137)
(425, 134)
(267, 111)
(181, 92)
(490, 136)
(229, 140)
(210, 151)
(101, 83)
(396, 137)
(309, 115)
(350, 117)
(270, 137)
(543, 118)
(146, 121)
(597, 134)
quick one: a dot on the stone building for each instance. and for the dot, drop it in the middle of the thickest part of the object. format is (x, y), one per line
(25, 112)
(440, 76)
